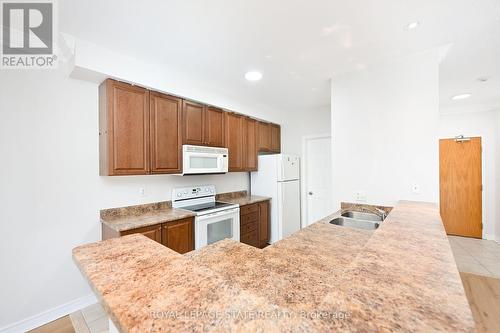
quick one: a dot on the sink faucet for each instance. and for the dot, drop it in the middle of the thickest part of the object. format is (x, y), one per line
(381, 212)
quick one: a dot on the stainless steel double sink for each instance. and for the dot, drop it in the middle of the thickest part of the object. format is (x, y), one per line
(358, 220)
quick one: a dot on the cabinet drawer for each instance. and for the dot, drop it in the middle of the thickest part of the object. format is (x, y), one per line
(250, 238)
(249, 227)
(249, 218)
(249, 209)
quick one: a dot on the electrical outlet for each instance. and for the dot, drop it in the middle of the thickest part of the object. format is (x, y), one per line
(142, 191)
(415, 188)
(361, 196)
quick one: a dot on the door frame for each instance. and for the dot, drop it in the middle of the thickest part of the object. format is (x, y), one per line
(483, 180)
(303, 173)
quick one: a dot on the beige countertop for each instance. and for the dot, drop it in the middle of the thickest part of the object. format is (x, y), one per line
(401, 277)
(133, 217)
(243, 199)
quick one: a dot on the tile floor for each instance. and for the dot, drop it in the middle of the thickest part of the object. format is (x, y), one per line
(476, 256)
(93, 320)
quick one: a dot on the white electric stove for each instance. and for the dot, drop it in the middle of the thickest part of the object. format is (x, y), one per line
(214, 220)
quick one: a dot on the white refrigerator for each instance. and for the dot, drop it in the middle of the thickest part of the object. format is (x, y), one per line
(279, 178)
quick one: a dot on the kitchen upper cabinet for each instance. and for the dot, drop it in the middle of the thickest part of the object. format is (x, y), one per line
(123, 129)
(214, 127)
(249, 144)
(234, 140)
(264, 132)
(193, 123)
(152, 232)
(202, 125)
(178, 235)
(166, 133)
(275, 138)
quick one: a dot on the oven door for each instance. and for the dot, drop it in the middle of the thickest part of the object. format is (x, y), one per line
(211, 228)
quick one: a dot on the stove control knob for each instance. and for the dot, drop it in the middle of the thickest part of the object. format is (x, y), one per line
(179, 194)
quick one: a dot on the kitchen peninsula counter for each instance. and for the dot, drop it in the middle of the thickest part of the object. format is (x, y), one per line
(401, 277)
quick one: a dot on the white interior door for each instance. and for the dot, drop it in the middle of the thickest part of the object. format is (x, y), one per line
(318, 178)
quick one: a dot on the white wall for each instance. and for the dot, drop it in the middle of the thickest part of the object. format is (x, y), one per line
(483, 124)
(384, 132)
(497, 177)
(51, 193)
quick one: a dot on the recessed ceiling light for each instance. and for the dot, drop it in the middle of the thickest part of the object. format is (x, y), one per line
(253, 75)
(412, 25)
(483, 78)
(461, 96)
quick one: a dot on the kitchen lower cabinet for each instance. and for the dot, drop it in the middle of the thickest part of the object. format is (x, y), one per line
(177, 235)
(254, 224)
(264, 223)
(152, 232)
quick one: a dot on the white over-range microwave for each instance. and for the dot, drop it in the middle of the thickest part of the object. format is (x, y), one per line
(204, 160)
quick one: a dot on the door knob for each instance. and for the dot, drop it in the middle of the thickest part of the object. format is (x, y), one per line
(310, 193)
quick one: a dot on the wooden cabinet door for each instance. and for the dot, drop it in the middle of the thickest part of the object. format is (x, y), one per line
(263, 223)
(193, 123)
(178, 235)
(152, 232)
(124, 129)
(275, 138)
(234, 140)
(166, 133)
(214, 127)
(250, 144)
(264, 130)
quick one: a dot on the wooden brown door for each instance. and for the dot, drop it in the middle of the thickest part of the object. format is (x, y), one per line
(263, 223)
(178, 235)
(249, 144)
(193, 123)
(152, 232)
(234, 140)
(214, 127)
(166, 133)
(461, 186)
(264, 130)
(124, 133)
(275, 138)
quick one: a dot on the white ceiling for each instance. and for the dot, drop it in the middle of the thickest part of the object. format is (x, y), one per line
(298, 44)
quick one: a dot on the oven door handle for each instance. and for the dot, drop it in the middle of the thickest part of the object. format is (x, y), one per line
(217, 214)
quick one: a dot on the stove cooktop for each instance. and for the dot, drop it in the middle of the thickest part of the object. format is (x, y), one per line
(207, 206)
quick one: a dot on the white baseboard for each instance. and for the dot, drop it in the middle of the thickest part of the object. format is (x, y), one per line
(491, 237)
(49, 315)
